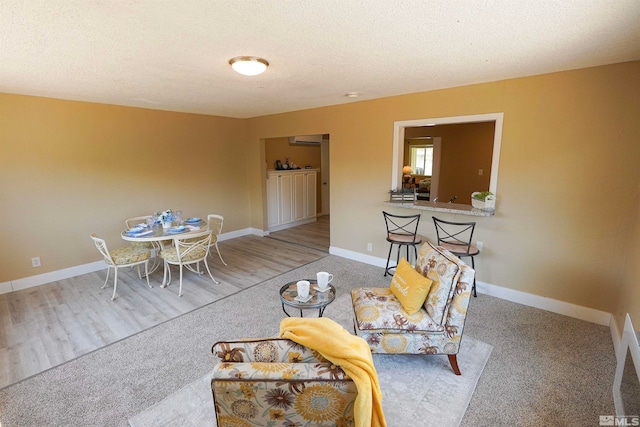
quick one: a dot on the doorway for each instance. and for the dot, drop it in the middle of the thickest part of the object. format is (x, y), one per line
(325, 178)
(298, 152)
(313, 235)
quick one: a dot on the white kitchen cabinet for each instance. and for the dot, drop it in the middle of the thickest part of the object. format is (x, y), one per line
(299, 190)
(291, 198)
(310, 182)
(285, 189)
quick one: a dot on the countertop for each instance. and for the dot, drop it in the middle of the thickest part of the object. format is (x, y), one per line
(454, 208)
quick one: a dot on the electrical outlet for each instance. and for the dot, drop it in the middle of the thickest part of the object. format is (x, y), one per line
(35, 262)
(369, 247)
(479, 245)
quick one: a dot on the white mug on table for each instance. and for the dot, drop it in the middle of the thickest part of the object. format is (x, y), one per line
(303, 288)
(324, 279)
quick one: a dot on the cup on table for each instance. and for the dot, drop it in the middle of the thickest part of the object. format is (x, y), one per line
(324, 279)
(150, 221)
(303, 288)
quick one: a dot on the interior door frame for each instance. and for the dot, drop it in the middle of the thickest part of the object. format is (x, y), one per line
(325, 186)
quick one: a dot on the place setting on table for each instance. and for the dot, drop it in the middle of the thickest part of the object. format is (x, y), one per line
(165, 225)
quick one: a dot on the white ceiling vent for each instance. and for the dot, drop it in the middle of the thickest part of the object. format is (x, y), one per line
(305, 140)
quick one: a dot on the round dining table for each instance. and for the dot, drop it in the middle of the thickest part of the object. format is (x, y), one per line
(160, 234)
(160, 237)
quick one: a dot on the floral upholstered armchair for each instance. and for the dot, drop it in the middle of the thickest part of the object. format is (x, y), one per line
(269, 382)
(436, 327)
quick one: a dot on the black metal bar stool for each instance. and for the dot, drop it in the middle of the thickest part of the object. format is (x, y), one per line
(456, 237)
(401, 231)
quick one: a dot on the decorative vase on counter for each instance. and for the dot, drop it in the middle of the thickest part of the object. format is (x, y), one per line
(488, 204)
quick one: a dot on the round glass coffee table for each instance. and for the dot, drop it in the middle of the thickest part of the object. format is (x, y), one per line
(319, 300)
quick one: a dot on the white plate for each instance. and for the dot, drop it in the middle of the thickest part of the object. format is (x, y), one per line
(307, 299)
(134, 230)
(317, 288)
(180, 229)
(193, 220)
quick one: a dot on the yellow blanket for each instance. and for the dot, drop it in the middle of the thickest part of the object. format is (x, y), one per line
(349, 352)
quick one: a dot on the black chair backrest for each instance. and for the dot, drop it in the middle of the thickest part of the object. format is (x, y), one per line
(459, 234)
(401, 225)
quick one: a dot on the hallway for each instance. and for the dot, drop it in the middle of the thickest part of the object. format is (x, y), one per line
(314, 235)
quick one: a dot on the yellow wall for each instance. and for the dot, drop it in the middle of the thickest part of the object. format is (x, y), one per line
(568, 173)
(629, 297)
(301, 155)
(566, 198)
(72, 168)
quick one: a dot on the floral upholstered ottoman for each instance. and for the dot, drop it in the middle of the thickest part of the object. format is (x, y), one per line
(275, 381)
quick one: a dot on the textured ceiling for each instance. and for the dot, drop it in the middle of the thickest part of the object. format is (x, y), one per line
(173, 55)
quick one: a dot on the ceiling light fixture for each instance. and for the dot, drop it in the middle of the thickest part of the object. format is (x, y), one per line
(352, 94)
(249, 65)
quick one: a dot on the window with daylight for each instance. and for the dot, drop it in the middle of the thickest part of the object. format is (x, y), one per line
(422, 159)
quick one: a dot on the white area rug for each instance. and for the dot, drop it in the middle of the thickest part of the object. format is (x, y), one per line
(417, 390)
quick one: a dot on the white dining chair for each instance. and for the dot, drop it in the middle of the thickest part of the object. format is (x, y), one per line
(155, 246)
(127, 256)
(186, 251)
(215, 225)
(132, 222)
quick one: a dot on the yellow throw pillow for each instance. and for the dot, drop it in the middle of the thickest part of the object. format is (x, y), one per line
(410, 287)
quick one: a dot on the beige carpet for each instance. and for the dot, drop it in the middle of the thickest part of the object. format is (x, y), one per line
(417, 390)
(111, 385)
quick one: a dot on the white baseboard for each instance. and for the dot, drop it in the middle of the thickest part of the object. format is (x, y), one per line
(531, 300)
(239, 233)
(52, 276)
(537, 301)
(65, 273)
(5, 287)
(357, 256)
(616, 336)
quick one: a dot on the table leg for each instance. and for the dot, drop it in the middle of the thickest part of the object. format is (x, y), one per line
(156, 259)
(166, 279)
(285, 311)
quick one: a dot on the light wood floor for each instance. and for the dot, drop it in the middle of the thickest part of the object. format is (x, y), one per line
(47, 325)
(313, 235)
